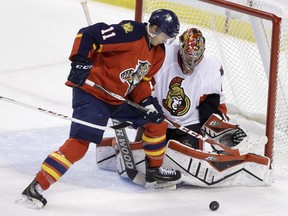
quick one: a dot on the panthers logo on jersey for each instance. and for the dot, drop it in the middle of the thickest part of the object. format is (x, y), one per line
(128, 27)
(176, 103)
(133, 76)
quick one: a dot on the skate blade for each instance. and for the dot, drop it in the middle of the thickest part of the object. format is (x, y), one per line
(29, 203)
(172, 185)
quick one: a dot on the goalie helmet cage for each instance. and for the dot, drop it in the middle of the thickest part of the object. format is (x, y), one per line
(250, 38)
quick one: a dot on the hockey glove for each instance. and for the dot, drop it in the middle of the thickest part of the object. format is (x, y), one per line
(80, 68)
(154, 113)
(223, 131)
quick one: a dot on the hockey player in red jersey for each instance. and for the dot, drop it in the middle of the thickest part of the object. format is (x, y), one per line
(122, 58)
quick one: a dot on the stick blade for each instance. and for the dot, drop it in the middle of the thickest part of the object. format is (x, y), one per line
(136, 176)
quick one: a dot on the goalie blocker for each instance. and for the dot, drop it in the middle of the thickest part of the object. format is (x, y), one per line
(207, 167)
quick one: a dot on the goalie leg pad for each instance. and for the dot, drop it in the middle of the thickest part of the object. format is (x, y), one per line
(106, 153)
(109, 157)
(211, 170)
(139, 159)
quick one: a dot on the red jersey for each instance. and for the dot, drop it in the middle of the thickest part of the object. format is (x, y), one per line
(123, 60)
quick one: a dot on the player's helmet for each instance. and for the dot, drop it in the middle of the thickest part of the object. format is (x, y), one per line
(192, 47)
(166, 21)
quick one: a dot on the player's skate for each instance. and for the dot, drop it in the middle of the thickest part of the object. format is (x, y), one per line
(32, 196)
(159, 177)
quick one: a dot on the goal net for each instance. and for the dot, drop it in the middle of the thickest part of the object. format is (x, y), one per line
(250, 38)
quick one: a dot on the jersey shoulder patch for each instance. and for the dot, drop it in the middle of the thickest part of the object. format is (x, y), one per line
(125, 31)
(130, 30)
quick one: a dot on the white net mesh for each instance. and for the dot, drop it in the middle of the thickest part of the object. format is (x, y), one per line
(243, 44)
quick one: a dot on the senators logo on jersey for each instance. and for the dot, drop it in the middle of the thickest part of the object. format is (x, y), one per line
(133, 76)
(177, 103)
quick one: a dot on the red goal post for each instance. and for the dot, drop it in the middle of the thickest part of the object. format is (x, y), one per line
(256, 79)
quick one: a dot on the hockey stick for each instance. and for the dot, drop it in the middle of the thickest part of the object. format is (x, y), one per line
(49, 112)
(127, 156)
(176, 125)
(123, 142)
(86, 12)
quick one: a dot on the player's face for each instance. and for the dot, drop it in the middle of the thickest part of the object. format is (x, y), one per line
(161, 38)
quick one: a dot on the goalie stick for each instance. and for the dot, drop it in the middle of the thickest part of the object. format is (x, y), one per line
(49, 112)
(217, 146)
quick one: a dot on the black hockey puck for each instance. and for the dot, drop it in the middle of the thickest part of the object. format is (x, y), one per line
(214, 205)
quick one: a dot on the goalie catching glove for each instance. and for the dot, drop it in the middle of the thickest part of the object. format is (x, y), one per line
(231, 135)
(224, 132)
(154, 113)
(80, 68)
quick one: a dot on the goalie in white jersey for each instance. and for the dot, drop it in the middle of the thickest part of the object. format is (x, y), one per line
(189, 86)
(189, 89)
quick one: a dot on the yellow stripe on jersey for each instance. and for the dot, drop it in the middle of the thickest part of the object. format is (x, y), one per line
(100, 47)
(79, 35)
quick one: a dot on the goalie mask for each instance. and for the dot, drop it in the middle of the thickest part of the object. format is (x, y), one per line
(191, 49)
